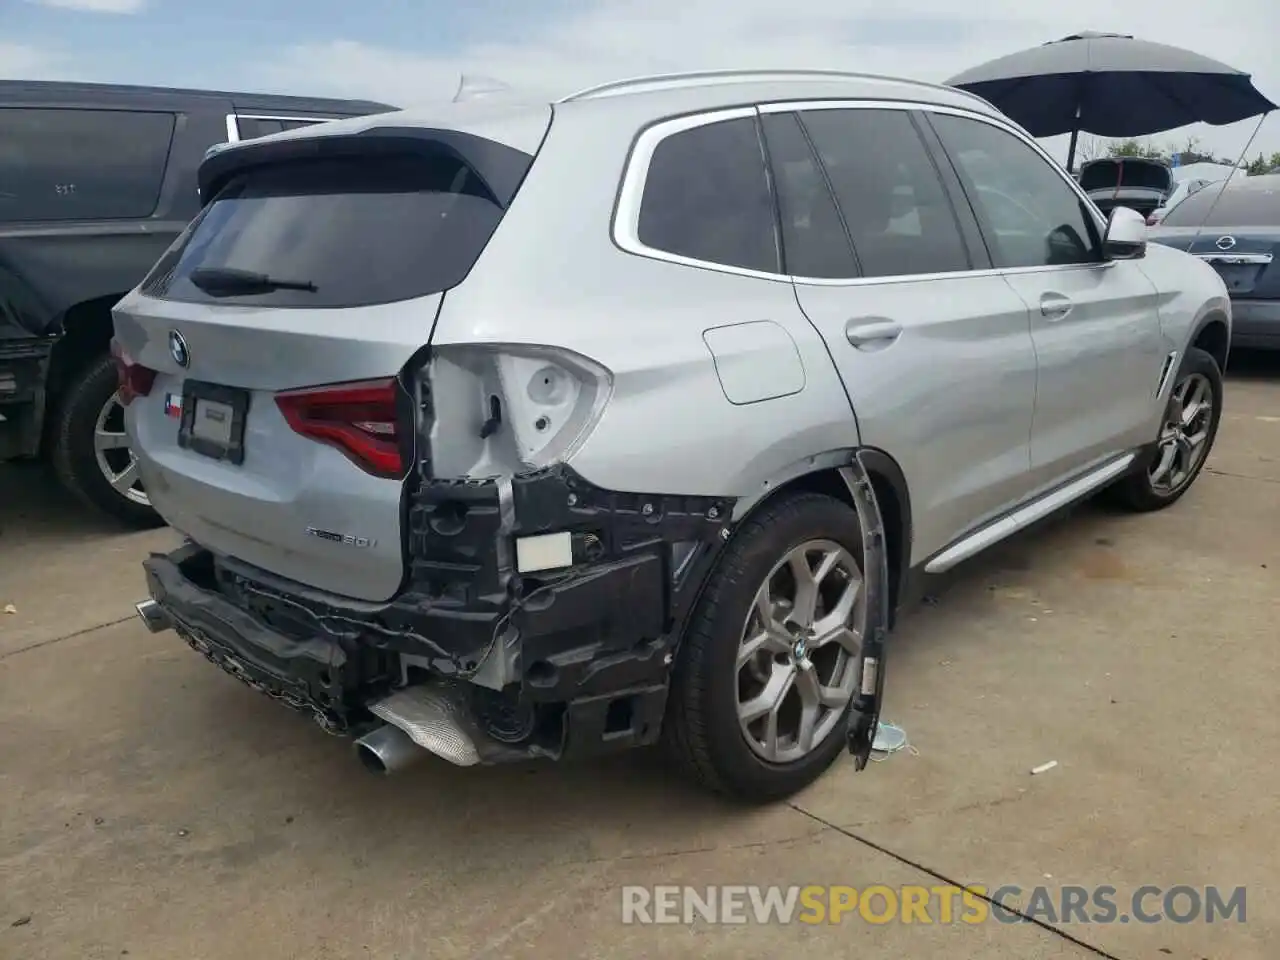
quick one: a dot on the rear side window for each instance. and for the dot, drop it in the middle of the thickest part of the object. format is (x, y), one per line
(58, 164)
(893, 201)
(343, 232)
(706, 197)
(814, 241)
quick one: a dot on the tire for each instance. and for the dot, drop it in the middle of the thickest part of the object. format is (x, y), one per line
(74, 453)
(702, 731)
(1138, 491)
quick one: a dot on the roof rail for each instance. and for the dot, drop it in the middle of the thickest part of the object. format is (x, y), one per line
(694, 77)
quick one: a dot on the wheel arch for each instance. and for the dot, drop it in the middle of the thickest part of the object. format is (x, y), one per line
(1212, 334)
(893, 498)
(86, 335)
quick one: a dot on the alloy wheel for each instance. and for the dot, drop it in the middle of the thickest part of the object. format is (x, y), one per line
(113, 454)
(1182, 447)
(797, 659)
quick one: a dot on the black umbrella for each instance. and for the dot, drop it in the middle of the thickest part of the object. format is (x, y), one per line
(1112, 85)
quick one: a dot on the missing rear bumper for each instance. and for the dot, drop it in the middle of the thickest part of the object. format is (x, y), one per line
(525, 659)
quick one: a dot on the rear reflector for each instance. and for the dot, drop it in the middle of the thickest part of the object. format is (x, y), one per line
(360, 419)
(134, 379)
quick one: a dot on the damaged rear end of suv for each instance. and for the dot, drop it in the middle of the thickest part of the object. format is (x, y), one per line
(441, 494)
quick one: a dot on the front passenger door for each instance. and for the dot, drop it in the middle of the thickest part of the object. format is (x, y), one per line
(1095, 323)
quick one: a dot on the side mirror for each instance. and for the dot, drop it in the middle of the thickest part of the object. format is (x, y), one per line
(1126, 237)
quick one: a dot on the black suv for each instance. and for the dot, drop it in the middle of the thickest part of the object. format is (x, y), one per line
(96, 181)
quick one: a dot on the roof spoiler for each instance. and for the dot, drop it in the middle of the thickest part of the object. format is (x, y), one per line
(499, 167)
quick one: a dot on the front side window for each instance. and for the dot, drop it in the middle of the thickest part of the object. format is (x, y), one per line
(1030, 215)
(61, 164)
(894, 203)
(706, 197)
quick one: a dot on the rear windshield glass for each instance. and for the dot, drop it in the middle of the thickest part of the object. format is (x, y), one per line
(334, 233)
(1238, 206)
(1130, 173)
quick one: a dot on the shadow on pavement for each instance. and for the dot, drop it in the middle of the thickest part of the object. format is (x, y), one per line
(1253, 365)
(34, 507)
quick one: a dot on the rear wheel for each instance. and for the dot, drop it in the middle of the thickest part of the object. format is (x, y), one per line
(769, 663)
(91, 453)
(1187, 432)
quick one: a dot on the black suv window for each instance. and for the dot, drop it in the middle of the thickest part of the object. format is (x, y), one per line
(814, 240)
(333, 233)
(889, 192)
(252, 127)
(707, 197)
(1030, 215)
(58, 164)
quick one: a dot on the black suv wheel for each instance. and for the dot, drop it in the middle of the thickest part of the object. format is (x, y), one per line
(91, 453)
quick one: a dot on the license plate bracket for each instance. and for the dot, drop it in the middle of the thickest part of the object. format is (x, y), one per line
(213, 419)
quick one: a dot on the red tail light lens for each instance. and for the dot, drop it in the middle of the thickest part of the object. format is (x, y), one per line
(135, 380)
(360, 419)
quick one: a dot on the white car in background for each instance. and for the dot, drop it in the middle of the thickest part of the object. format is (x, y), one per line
(1185, 188)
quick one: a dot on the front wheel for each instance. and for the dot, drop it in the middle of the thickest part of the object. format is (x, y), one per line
(1187, 432)
(91, 454)
(770, 660)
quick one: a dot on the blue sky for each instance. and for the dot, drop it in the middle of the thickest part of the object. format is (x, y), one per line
(409, 51)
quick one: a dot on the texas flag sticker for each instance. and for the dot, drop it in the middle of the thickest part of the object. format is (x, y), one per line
(173, 405)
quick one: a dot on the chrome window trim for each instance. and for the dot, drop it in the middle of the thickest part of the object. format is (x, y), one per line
(626, 219)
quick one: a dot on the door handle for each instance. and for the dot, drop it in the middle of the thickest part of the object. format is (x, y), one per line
(865, 333)
(1054, 306)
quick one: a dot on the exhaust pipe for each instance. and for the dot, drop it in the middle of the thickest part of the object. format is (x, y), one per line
(388, 750)
(420, 721)
(153, 616)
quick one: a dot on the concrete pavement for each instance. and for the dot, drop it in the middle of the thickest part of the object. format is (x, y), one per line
(153, 807)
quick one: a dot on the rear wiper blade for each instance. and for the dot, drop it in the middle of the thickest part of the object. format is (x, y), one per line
(230, 282)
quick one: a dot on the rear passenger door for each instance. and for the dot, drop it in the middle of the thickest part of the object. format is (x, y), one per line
(936, 355)
(1094, 322)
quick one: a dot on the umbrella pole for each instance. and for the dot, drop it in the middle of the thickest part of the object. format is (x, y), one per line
(1075, 135)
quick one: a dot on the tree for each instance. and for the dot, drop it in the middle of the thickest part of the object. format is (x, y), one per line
(1136, 148)
(1265, 165)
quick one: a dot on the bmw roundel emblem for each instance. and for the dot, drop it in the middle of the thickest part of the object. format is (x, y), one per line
(178, 349)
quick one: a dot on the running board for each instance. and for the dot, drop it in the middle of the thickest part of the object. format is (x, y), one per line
(1024, 517)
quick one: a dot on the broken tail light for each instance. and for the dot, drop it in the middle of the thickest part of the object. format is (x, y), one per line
(134, 379)
(510, 408)
(359, 419)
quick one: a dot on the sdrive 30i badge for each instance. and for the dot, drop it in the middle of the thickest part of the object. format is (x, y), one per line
(345, 539)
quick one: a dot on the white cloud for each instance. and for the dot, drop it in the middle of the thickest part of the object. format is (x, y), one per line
(20, 61)
(925, 39)
(96, 6)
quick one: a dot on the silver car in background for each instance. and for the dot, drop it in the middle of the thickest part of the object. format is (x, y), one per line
(548, 430)
(1236, 230)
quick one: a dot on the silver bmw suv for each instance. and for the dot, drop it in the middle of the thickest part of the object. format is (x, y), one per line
(545, 430)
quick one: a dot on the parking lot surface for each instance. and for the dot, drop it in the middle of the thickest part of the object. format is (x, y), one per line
(154, 808)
